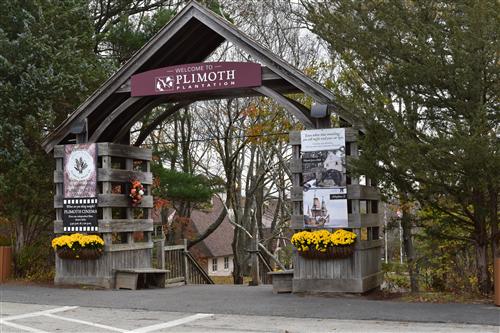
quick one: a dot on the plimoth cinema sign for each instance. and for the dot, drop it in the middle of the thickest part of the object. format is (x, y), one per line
(80, 188)
(196, 77)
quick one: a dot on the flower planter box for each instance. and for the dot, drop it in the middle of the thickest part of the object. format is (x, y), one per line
(80, 254)
(282, 281)
(335, 252)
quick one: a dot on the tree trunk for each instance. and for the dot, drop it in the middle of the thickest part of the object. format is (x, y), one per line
(255, 258)
(237, 259)
(19, 235)
(481, 243)
(482, 272)
(409, 249)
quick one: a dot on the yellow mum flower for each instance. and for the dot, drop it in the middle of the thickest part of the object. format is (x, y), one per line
(322, 239)
(77, 241)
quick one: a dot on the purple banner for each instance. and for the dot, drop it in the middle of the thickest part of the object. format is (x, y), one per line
(80, 176)
(196, 77)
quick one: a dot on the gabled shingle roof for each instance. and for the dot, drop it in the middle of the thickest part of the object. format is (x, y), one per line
(218, 243)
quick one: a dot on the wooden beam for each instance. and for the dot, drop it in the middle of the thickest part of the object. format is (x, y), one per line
(111, 117)
(295, 108)
(137, 116)
(114, 175)
(158, 120)
(120, 77)
(285, 70)
(318, 122)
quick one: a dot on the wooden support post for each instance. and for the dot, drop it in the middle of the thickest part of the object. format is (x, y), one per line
(161, 252)
(186, 263)
(81, 132)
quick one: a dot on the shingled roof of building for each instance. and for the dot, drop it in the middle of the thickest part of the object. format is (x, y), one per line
(218, 242)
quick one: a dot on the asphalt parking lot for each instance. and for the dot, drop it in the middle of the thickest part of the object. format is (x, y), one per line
(17, 317)
(219, 308)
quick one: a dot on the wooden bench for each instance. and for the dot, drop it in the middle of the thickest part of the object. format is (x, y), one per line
(139, 278)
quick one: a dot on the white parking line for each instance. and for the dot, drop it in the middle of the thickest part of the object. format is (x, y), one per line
(50, 314)
(106, 327)
(172, 323)
(22, 327)
(38, 313)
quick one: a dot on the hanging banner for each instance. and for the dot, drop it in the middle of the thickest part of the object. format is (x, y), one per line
(201, 76)
(80, 188)
(324, 180)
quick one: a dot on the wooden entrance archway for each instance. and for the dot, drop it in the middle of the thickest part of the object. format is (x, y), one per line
(107, 116)
(190, 37)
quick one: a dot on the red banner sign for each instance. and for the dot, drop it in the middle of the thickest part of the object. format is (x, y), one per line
(196, 77)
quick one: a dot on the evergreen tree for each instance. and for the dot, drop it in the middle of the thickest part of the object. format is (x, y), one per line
(47, 67)
(424, 77)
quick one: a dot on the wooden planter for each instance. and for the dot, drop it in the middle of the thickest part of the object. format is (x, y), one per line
(80, 254)
(335, 252)
(282, 281)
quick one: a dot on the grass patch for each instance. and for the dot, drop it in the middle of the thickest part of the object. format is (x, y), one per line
(446, 297)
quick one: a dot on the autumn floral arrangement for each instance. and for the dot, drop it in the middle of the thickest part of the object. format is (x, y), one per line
(322, 244)
(136, 192)
(78, 246)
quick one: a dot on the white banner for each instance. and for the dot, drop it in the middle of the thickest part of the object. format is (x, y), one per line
(323, 169)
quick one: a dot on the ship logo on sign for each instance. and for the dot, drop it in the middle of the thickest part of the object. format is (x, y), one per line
(165, 83)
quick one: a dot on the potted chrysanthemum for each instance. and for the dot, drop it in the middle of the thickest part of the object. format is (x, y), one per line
(78, 246)
(322, 244)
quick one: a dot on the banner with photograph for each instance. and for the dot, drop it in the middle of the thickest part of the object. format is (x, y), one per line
(324, 178)
(80, 188)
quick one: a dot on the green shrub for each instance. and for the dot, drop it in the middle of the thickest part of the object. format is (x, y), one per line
(395, 276)
(35, 262)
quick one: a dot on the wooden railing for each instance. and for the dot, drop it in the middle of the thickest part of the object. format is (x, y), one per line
(174, 263)
(181, 265)
(264, 268)
(196, 273)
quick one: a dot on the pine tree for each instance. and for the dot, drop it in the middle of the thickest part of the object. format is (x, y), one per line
(424, 77)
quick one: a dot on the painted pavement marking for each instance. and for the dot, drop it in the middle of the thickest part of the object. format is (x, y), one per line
(106, 327)
(172, 323)
(22, 327)
(50, 314)
(38, 313)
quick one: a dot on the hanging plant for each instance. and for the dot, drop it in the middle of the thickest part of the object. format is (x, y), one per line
(136, 192)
